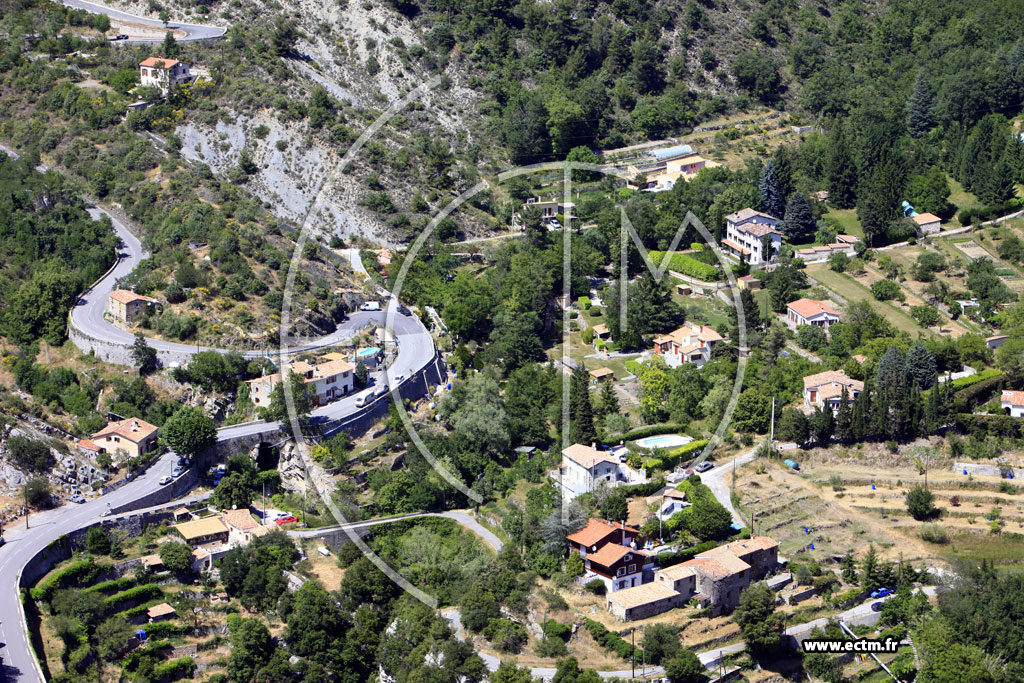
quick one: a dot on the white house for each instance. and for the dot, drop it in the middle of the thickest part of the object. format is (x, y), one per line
(549, 210)
(691, 343)
(1013, 403)
(163, 73)
(826, 388)
(330, 380)
(745, 232)
(584, 469)
(810, 312)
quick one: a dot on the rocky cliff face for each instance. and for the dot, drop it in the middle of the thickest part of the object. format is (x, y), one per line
(360, 58)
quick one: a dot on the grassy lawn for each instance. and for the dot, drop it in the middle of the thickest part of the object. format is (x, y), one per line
(847, 218)
(960, 198)
(851, 290)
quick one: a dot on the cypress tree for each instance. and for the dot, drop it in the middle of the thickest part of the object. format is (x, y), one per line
(931, 410)
(771, 198)
(860, 423)
(609, 401)
(783, 162)
(822, 424)
(919, 108)
(840, 171)
(799, 223)
(581, 410)
(844, 418)
(878, 201)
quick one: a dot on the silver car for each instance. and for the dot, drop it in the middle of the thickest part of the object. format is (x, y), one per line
(704, 466)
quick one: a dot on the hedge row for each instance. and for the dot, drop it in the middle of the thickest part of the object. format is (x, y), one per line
(82, 571)
(139, 609)
(987, 213)
(113, 585)
(995, 425)
(675, 457)
(612, 641)
(148, 591)
(164, 630)
(966, 399)
(964, 382)
(687, 265)
(173, 670)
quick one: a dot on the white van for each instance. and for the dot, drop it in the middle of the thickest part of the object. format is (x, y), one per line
(364, 398)
(370, 306)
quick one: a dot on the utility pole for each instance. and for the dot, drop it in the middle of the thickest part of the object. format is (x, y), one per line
(771, 434)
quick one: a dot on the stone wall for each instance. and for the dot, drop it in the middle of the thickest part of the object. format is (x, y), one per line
(117, 353)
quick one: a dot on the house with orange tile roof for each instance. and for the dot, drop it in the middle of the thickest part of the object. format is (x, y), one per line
(811, 312)
(610, 554)
(599, 532)
(746, 232)
(133, 437)
(691, 343)
(1012, 403)
(163, 73)
(585, 468)
(826, 388)
(127, 307)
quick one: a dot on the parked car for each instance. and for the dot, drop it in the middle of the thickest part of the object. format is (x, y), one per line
(165, 480)
(176, 472)
(370, 306)
(78, 498)
(876, 606)
(287, 519)
(704, 466)
(404, 311)
(365, 398)
(881, 593)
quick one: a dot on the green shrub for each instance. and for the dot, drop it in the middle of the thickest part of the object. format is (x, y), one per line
(113, 585)
(555, 629)
(173, 670)
(934, 533)
(584, 303)
(612, 642)
(596, 586)
(82, 572)
(687, 265)
(143, 593)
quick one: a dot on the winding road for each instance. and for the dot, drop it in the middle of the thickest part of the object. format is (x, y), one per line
(191, 31)
(416, 352)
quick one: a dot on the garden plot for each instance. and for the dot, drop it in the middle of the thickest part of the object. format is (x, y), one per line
(973, 251)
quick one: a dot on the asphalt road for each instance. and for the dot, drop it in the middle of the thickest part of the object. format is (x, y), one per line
(415, 351)
(192, 31)
(44, 528)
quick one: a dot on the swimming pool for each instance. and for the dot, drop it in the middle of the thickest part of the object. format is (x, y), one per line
(664, 441)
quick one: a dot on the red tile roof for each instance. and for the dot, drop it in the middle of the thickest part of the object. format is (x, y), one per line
(126, 297)
(609, 554)
(134, 429)
(158, 62)
(808, 308)
(597, 530)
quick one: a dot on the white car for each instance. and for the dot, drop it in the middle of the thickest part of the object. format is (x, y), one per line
(78, 498)
(370, 306)
(165, 480)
